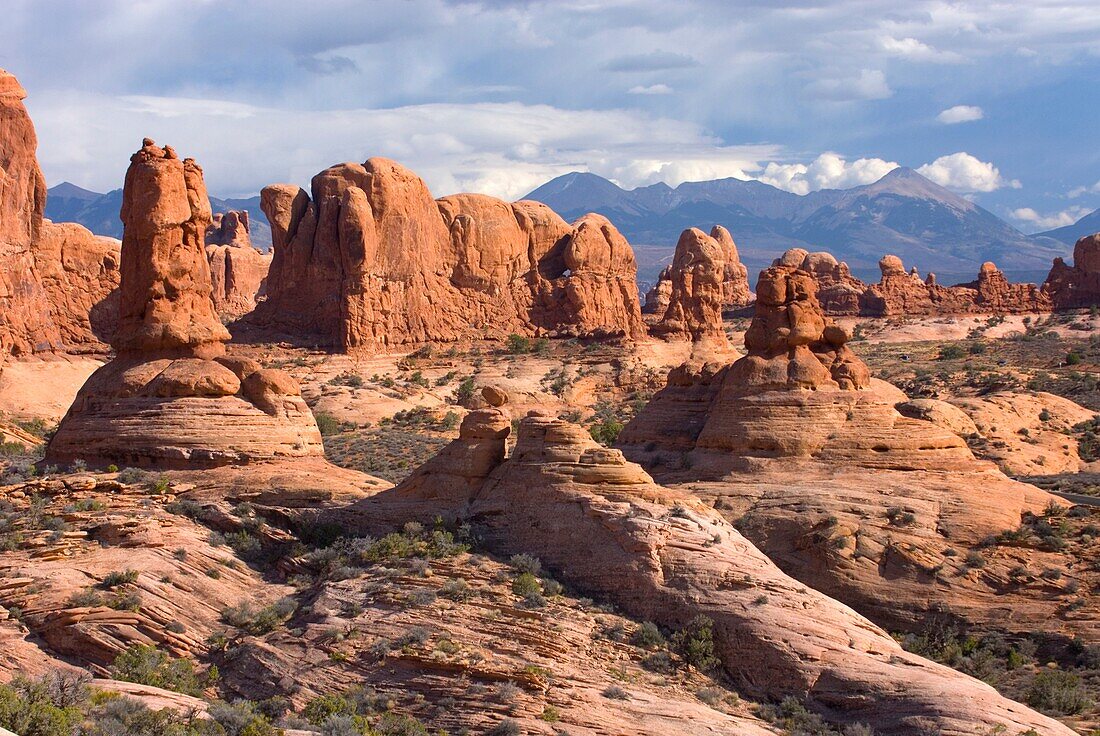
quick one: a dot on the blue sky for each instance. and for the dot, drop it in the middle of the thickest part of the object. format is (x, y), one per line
(996, 100)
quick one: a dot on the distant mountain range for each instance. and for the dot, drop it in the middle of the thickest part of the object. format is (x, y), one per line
(1070, 234)
(99, 212)
(902, 213)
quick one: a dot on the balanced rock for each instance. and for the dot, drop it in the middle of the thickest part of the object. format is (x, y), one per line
(170, 398)
(237, 270)
(368, 259)
(1072, 287)
(666, 557)
(55, 280)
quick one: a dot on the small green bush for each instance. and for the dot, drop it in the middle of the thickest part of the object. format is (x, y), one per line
(147, 665)
(695, 643)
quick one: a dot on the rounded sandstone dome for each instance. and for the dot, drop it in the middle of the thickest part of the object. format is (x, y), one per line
(891, 265)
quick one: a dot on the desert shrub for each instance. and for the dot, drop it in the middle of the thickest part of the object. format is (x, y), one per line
(456, 589)
(260, 621)
(1058, 693)
(464, 393)
(952, 352)
(147, 665)
(241, 718)
(507, 727)
(606, 431)
(119, 577)
(526, 563)
(526, 584)
(614, 692)
(648, 636)
(695, 643)
(518, 344)
(31, 708)
(327, 424)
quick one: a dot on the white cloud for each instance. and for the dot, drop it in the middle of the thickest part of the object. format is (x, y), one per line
(914, 50)
(965, 173)
(960, 114)
(827, 171)
(503, 149)
(1078, 191)
(1049, 222)
(870, 84)
(653, 89)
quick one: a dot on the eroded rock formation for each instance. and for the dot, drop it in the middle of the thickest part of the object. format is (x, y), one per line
(171, 397)
(55, 279)
(1071, 287)
(237, 270)
(699, 260)
(368, 259)
(666, 557)
(697, 289)
(807, 453)
(902, 293)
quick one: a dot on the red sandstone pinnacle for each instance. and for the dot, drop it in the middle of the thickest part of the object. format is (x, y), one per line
(1072, 287)
(899, 292)
(165, 294)
(54, 279)
(698, 250)
(171, 399)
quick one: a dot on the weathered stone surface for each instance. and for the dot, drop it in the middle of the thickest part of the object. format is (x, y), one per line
(813, 462)
(696, 256)
(371, 260)
(237, 270)
(696, 295)
(165, 303)
(666, 557)
(171, 399)
(55, 280)
(901, 293)
(1072, 287)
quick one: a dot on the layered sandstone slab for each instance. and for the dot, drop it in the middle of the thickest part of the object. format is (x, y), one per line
(661, 555)
(171, 398)
(368, 259)
(810, 457)
(902, 293)
(237, 270)
(56, 280)
(1071, 287)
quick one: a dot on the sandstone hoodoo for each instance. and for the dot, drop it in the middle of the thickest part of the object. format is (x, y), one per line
(237, 270)
(368, 259)
(171, 397)
(1072, 287)
(806, 452)
(698, 288)
(666, 557)
(55, 279)
(901, 293)
(698, 261)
